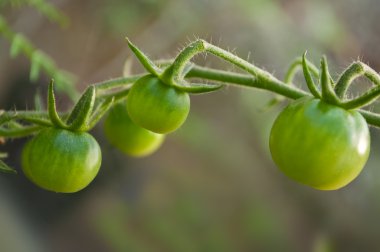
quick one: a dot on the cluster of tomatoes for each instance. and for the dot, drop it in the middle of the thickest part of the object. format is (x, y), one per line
(313, 142)
(66, 161)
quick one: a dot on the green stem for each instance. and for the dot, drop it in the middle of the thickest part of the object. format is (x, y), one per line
(247, 81)
(371, 118)
(363, 100)
(36, 117)
(355, 70)
(19, 132)
(173, 74)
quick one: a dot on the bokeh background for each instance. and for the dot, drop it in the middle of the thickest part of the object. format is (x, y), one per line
(212, 186)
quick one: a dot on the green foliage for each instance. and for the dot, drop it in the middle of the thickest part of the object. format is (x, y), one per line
(43, 7)
(38, 59)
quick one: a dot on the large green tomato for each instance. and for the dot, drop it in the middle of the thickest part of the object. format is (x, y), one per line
(156, 106)
(60, 160)
(127, 136)
(318, 144)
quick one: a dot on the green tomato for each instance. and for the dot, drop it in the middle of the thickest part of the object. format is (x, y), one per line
(318, 144)
(127, 136)
(60, 160)
(157, 106)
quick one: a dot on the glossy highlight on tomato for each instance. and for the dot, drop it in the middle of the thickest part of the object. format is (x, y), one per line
(128, 137)
(157, 106)
(318, 144)
(60, 160)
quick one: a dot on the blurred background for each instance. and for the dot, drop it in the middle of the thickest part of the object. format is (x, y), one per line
(212, 186)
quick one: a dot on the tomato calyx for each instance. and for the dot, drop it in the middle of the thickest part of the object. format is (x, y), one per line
(334, 92)
(173, 75)
(85, 114)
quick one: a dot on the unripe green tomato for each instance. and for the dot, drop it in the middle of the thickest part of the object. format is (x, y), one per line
(156, 106)
(127, 136)
(60, 160)
(318, 144)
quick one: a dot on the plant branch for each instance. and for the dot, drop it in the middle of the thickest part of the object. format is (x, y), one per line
(355, 70)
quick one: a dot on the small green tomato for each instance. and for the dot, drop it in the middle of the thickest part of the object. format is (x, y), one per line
(127, 136)
(60, 160)
(156, 106)
(320, 145)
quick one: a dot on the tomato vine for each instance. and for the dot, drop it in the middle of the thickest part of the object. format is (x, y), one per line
(158, 101)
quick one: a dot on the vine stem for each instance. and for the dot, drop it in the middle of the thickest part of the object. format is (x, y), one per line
(355, 70)
(262, 79)
(40, 118)
(117, 89)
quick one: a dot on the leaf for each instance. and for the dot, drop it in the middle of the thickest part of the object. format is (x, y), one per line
(17, 43)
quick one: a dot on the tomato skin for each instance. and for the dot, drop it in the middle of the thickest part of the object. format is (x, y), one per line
(156, 106)
(60, 160)
(318, 144)
(128, 137)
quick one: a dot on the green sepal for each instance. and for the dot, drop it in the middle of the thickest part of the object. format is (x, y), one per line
(309, 80)
(6, 169)
(328, 93)
(80, 115)
(39, 120)
(52, 108)
(145, 61)
(198, 88)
